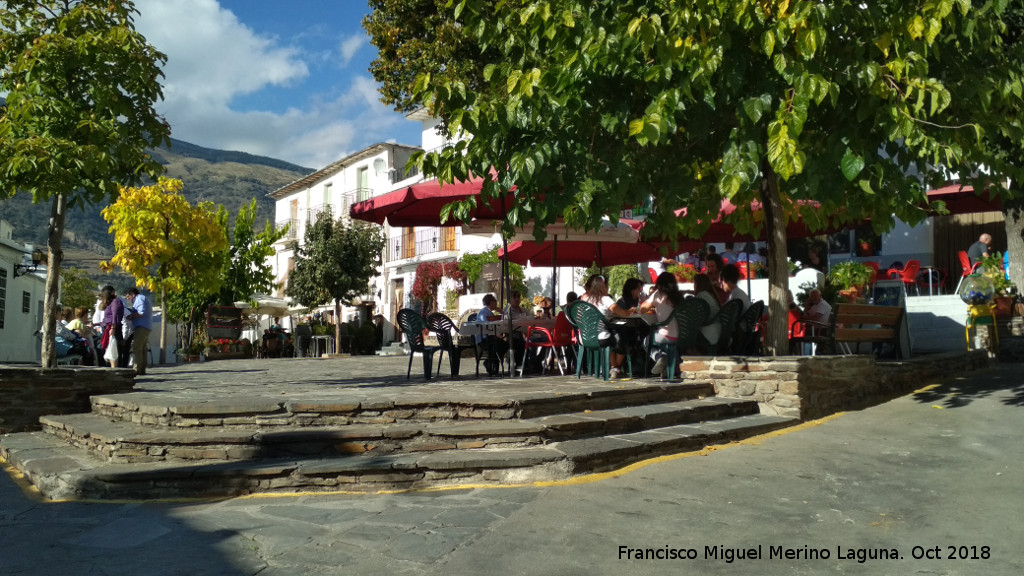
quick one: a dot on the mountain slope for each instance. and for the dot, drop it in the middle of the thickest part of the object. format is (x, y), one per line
(219, 176)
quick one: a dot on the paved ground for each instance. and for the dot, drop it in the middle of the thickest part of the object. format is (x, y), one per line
(935, 474)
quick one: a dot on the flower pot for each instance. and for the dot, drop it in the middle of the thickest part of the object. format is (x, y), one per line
(1003, 306)
(189, 358)
(865, 249)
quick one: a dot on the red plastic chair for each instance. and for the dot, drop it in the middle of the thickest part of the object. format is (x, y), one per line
(908, 275)
(968, 268)
(744, 270)
(654, 274)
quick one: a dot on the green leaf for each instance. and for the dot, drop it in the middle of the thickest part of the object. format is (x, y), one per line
(768, 42)
(851, 164)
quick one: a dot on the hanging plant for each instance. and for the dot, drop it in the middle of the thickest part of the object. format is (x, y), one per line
(428, 277)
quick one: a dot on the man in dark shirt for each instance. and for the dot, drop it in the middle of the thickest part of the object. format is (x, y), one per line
(979, 249)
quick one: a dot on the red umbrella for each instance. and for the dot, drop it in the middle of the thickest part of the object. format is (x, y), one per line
(964, 200)
(421, 204)
(584, 253)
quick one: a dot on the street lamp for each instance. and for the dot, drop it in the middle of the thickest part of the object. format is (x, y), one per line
(23, 269)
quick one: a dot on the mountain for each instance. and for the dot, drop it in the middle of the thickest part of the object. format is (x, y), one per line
(219, 176)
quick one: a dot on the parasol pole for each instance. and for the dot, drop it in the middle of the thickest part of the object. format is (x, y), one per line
(554, 274)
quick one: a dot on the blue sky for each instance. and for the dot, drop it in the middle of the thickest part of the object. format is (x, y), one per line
(287, 80)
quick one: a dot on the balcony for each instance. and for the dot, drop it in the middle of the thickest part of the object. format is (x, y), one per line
(424, 242)
(314, 211)
(293, 228)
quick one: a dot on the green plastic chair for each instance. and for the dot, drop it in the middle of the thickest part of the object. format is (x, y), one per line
(412, 324)
(728, 316)
(588, 320)
(443, 327)
(689, 315)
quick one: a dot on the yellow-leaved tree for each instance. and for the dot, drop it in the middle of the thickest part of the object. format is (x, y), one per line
(160, 239)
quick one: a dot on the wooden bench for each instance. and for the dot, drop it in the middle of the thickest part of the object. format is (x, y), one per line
(857, 324)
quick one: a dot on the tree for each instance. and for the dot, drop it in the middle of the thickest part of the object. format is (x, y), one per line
(335, 262)
(767, 104)
(81, 87)
(163, 241)
(247, 270)
(77, 289)
(416, 35)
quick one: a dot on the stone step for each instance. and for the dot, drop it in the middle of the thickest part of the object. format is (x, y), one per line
(128, 442)
(167, 410)
(61, 471)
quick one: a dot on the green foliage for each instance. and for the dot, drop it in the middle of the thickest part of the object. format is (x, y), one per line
(473, 265)
(81, 86)
(77, 289)
(335, 261)
(686, 272)
(248, 271)
(849, 274)
(746, 100)
(992, 268)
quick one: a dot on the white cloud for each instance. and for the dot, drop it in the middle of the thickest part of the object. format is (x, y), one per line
(214, 60)
(349, 47)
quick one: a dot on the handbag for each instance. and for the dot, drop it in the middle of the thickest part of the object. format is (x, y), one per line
(111, 353)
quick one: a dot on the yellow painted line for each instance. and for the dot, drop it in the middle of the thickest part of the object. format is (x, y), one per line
(573, 481)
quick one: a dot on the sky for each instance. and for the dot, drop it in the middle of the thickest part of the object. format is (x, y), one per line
(285, 79)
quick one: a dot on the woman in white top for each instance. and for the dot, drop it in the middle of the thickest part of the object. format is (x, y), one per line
(704, 290)
(662, 302)
(597, 294)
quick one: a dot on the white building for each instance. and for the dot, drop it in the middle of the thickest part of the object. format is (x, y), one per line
(22, 289)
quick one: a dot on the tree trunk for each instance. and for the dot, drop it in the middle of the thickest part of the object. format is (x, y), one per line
(337, 324)
(55, 255)
(778, 269)
(1013, 212)
(163, 325)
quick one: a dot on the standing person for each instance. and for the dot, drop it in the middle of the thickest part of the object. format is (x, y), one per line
(731, 279)
(597, 294)
(662, 302)
(141, 316)
(113, 318)
(980, 249)
(711, 329)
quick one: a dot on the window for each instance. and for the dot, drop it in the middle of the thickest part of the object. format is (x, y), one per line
(3, 296)
(26, 303)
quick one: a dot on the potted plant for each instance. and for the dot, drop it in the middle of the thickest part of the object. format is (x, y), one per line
(992, 268)
(866, 244)
(193, 352)
(684, 273)
(850, 278)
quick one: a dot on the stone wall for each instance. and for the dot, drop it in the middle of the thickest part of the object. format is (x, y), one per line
(28, 393)
(809, 387)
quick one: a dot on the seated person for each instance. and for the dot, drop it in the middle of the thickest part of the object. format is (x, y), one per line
(662, 302)
(494, 346)
(712, 329)
(730, 279)
(628, 337)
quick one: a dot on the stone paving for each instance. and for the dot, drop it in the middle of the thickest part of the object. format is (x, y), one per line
(229, 428)
(936, 469)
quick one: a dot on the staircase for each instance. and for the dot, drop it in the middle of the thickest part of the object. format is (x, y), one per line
(151, 445)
